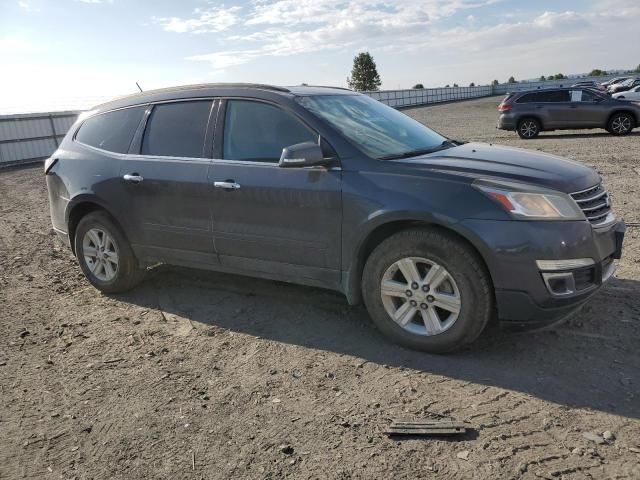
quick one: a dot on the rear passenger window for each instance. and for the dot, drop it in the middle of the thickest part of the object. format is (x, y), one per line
(255, 131)
(529, 98)
(554, 96)
(111, 131)
(177, 129)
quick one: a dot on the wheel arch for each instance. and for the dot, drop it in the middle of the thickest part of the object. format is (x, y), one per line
(81, 206)
(377, 234)
(633, 114)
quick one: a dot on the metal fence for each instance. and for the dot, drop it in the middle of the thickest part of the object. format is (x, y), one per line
(32, 137)
(425, 96)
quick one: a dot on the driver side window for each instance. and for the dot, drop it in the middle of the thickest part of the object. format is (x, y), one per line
(257, 132)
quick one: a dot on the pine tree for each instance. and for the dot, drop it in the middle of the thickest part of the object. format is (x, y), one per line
(364, 75)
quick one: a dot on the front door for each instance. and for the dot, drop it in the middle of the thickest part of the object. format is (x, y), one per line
(165, 185)
(585, 110)
(284, 221)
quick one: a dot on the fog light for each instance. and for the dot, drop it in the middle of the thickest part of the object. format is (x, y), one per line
(568, 264)
(560, 283)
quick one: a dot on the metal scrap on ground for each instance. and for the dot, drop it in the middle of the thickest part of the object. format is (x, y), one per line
(445, 427)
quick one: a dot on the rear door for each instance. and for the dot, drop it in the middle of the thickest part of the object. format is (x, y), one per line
(164, 183)
(557, 106)
(531, 105)
(266, 218)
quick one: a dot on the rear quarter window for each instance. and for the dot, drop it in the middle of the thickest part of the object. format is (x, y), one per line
(111, 131)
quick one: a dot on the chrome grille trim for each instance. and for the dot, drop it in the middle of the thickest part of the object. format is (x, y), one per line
(590, 199)
(595, 207)
(594, 203)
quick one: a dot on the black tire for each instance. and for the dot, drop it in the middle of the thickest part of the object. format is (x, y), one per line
(127, 272)
(528, 128)
(461, 262)
(621, 123)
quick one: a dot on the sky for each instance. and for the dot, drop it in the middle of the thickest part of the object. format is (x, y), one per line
(59, 53)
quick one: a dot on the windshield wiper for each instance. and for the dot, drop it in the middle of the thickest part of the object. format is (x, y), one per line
(414, 153)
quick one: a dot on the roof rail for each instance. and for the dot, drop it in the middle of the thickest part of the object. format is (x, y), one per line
(327, 86)
(194, 87)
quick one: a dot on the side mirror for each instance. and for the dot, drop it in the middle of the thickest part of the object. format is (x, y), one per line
(307, 154)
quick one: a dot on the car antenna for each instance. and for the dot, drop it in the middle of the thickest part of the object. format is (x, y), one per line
(139, 87)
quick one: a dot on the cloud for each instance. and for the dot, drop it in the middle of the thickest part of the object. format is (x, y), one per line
(224, 60)
(289, 27)
(28, 6)
(279, 28)
(211, 20)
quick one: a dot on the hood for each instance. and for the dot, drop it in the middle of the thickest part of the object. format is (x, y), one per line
(481, 160)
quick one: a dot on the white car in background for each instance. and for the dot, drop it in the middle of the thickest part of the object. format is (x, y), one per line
(633, 94)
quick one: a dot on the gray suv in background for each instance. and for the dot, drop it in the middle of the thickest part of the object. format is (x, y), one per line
(531, 112)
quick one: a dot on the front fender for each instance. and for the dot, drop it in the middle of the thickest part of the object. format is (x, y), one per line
(388, 223)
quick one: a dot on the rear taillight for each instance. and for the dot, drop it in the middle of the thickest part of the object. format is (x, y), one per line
(503, 107)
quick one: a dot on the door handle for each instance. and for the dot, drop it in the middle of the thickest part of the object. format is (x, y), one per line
(227, 185)
(133, 178)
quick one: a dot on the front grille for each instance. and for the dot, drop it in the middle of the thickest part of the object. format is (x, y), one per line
(594, 202)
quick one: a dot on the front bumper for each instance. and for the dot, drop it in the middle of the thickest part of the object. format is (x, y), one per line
(524, 299)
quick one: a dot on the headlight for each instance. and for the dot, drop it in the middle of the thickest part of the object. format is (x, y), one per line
(531, 202)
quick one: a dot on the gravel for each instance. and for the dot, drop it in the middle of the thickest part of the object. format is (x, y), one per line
(82, 398)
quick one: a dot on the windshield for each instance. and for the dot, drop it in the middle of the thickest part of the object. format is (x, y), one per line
(378, 130)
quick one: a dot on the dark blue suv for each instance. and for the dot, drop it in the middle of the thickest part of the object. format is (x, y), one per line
(327, 187)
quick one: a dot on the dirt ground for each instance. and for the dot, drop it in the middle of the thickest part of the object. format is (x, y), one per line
(199, 375)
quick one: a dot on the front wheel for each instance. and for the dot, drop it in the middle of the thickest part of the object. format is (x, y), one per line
(427, 290)
(529, 128)
(620, 124)
(104, 254)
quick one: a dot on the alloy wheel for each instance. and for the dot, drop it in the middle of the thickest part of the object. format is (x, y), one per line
(100, 254)
(529, 129)
(621, 124)
(421, 296)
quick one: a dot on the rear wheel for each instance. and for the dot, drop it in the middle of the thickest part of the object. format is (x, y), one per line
(104, 254)
(620, 124)
(427, 290)
(529, 128)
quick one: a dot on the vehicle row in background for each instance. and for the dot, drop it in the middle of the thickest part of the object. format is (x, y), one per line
(534, 111)
(633, 94)
(622, 84)
(590, 84)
